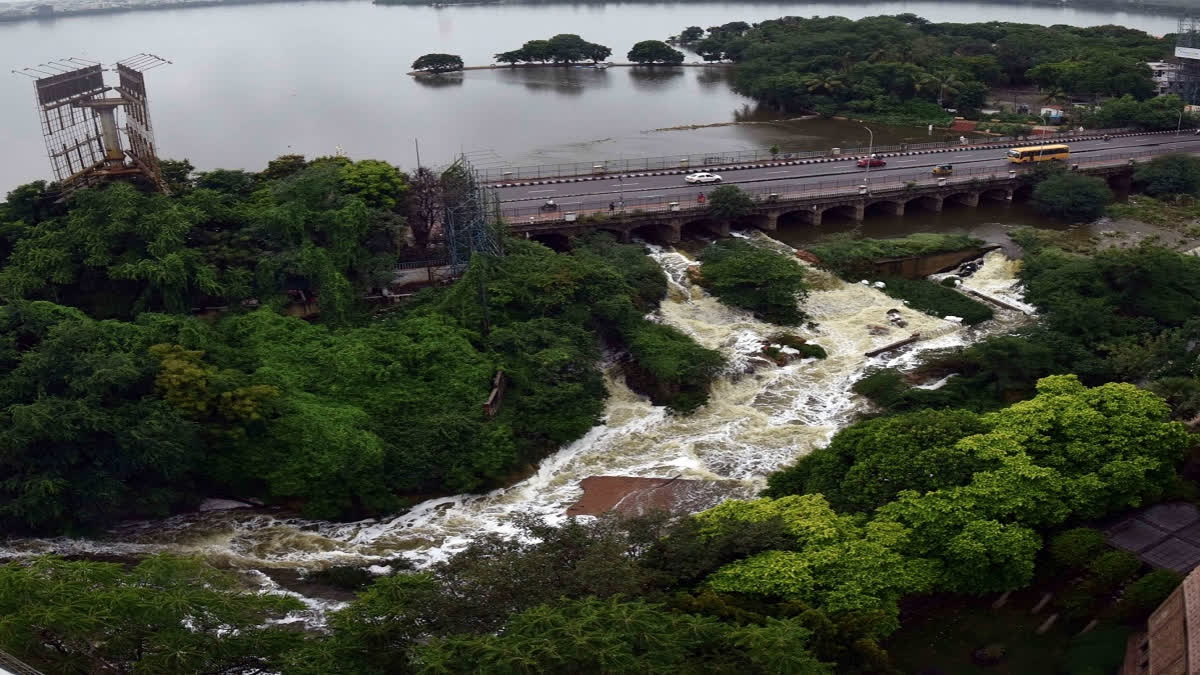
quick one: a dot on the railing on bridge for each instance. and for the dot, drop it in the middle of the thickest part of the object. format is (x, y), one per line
(11, 664)
(596, 209)
(700, 161)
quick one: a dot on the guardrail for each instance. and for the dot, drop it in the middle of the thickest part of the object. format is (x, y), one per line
(700, 161)
(597, 210)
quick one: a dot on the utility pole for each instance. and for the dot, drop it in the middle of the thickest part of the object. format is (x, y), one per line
(870, 156)
(1179, 122)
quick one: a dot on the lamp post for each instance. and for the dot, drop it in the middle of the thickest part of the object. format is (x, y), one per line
(870, 155)
(1179, 122)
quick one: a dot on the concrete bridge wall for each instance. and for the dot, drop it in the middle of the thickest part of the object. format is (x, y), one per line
(671, 225)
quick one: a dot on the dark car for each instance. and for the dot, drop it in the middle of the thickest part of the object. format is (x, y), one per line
(872, 162)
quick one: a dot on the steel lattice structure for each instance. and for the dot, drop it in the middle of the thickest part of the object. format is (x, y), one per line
(470, 222)
(1187, 52)
(90, 135)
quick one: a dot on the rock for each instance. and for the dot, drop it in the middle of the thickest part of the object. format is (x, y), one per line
(953, 319)
(630, 496)
(879, 284)
(864, 282)
(877, 330)
(808, 257)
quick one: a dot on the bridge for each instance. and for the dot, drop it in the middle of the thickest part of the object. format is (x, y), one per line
(668, 216)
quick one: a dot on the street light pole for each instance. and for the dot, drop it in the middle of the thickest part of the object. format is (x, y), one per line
(870, 155)
(1179, 122)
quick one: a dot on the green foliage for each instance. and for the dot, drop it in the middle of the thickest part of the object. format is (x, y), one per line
(936, 300)
(764, 282)
(868, 463)
(729, 202)
(1177, 212)
(1174, 174)
(1071, 452)
(81, 440)
(1144, 595)
(1072, 197)
(1096, 652)
(438, 63)
(852, 258)
(903, 69)
(563, 48)
(654, 51)
(691, 34)
(835, 562)
(164, 615)
(1155, 114)
(1111, 569)
(616, 636)
(1075, 548)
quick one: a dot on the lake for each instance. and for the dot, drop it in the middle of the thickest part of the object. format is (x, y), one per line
(251, 82)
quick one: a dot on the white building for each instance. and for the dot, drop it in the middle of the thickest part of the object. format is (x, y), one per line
(1168, 77)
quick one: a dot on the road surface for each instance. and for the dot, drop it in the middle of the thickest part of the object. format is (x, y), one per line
(642, 189)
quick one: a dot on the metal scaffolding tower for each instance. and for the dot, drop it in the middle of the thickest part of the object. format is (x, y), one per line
(1187, 52)
(470, 222)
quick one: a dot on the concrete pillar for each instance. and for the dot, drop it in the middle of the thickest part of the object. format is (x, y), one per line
(899, 208)
(772, 223)
(859, 211)
(625, 236)
(972, 199)
(674, 230)
(816, 216)
(937, 203)
(723, 228)
(112, 140)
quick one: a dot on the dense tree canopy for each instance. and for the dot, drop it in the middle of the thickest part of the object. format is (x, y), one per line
(563, 48)
(1169, 175)
(1072, 197)
(438, 63)
(904, 68)
(765, 282)
(654, 51)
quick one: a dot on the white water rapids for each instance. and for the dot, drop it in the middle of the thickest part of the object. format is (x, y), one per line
(758, 420)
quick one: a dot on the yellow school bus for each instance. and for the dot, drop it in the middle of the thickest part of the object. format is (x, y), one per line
(1039, 153)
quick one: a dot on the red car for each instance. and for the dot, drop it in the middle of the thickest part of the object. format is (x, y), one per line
(872, 162)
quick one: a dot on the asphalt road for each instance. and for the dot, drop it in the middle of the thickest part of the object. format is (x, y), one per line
(637, 188)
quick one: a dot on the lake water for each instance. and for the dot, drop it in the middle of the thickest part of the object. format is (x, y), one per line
(251, 82)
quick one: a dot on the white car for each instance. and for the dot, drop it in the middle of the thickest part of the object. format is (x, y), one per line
(702, 178)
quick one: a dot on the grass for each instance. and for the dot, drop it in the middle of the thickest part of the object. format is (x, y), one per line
(944, 637)
(937, 300)
(851, 258)
(1182, 212)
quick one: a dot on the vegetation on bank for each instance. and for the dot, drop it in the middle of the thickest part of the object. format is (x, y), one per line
(649, 52)
(117, 401)
(769, 284)
(906, 69)
(853, 259)
(936, 300)
(1072, 197)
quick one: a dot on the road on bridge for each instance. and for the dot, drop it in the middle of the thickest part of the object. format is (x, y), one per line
(642, 189)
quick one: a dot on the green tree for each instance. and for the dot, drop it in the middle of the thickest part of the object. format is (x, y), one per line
(379, 184)
(164, 615)
(764, 282)
(654, 51)
(1072, 197)
(1075, 548)
(177, 173)
(438, 63)
(1144, 595)
(1167, 175)
(730, 202)
(691, 34)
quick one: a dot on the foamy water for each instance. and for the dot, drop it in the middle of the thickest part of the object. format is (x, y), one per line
(760, 417)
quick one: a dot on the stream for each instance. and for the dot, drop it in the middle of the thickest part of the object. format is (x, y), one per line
(760, 417)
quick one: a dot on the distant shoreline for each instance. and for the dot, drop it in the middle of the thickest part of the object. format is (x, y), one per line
(505, 66)
(1160, 7)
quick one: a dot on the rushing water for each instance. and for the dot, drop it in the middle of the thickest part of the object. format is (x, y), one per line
(251, 82)
(760, 417)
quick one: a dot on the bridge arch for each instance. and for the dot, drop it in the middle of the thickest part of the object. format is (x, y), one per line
(703, 228)
(556, 241)
(810, 215)
(965, 198)
(884, 207)
(758, 221)
(656, 233)
(1003, 194)
(845, 212)
(926, 202)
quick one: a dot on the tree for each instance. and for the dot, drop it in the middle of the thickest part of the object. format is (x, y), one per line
(379, 184)
(730, 202)
(764, 282)
(691, 34)
(1072, 197)
(438, 63)
(177, 173)
(654, 51)
(597, 53)
(825, 82)
(1144, 595)
(164, 615)
(1075, 548)
(512, 57)
(424, 205)
(1167, 175)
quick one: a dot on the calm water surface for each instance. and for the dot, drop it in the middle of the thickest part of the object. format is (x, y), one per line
(255, 81)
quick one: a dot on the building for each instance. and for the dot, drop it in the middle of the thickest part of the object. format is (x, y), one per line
(1170, 644)
(1168, 77)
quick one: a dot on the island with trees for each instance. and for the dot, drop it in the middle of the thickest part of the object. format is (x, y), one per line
(562, 49)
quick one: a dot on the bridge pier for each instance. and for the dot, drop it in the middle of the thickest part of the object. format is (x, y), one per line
(772, 223)
(860, 211)
(972, 199)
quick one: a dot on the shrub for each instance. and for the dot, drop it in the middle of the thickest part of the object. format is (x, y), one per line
(764, 282)
(1111, 569)
(1145, 595)
(937, 300)
(729, 201)
(1174, 174)
(1072, 197)
(1073, 549)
